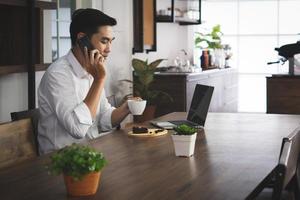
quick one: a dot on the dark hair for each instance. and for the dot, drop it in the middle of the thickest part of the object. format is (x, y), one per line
(88, 21)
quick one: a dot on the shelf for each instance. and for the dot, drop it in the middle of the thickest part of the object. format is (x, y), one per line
(195, 9)
(210, 68)
(46, 5)
(183, 19)
(23, 3)
(42, 67)
(10, 69)
(164, 18)
(189, 22)
(186, 21)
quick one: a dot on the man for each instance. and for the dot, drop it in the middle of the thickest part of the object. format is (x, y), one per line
(71, 97)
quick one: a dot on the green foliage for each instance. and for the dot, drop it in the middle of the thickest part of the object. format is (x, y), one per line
(76, 161)
(185, 130)
(143, 77)
(212, 39)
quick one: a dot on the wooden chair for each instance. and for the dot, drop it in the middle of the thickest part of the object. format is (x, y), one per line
(286, 175)
(16, 143)
(34, 115)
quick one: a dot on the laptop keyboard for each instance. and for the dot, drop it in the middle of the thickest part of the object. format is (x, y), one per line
(183, 122)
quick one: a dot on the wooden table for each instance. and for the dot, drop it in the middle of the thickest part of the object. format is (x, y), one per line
(232, 155)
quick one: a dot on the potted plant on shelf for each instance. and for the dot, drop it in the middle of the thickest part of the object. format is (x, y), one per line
(143, 76)
(210, 40)
(81, 166)
(211, 43)
(184, 140)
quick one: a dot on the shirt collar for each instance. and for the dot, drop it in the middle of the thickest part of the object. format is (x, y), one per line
(78, 69)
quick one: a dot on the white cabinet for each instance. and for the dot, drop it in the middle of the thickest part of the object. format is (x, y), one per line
(181, 88)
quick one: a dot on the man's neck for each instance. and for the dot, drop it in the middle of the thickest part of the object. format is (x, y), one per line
(78, 55)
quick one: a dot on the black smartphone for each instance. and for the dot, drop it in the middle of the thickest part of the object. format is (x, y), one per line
(85, 42)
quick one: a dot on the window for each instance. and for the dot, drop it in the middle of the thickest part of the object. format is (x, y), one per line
(61, 19)
(254, 28)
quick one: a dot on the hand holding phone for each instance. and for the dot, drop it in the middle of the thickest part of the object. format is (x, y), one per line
(94, 61)
(85, 42)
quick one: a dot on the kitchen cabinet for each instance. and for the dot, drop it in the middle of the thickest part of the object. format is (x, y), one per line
(181, 88)
(184, 12)
(283, 95)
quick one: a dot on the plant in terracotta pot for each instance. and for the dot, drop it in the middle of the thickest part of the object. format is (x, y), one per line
(143, 76)
(81, 166)
(184, 140)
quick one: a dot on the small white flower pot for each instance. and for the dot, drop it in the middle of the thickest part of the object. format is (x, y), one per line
(184, 144)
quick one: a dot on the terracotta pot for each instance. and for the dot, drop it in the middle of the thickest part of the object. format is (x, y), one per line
(148, 114)
(88, 185)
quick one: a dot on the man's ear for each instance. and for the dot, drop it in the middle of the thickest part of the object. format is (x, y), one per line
(80, 35)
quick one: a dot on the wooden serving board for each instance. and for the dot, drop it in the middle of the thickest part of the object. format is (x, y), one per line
(151, 133)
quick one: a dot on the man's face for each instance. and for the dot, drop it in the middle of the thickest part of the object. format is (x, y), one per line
(102, 40)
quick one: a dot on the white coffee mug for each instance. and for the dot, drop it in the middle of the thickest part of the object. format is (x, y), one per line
(136, 107)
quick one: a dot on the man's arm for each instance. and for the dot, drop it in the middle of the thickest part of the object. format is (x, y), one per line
(59, 90)
(93, 96)
(94, 65)
(119, 114)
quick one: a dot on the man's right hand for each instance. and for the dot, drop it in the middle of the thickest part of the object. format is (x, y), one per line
(94, 64)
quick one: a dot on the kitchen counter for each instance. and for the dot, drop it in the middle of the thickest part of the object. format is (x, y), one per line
(284, 76)
(181, 87)
(206, 72)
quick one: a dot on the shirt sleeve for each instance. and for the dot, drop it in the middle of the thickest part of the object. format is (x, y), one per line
(105, 113)
(73, 116)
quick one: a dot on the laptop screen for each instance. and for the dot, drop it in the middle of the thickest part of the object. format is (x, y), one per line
(200, 104)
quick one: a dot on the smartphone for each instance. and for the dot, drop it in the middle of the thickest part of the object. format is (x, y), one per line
(85, 42)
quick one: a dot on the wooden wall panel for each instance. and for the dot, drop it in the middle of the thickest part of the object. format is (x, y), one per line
(148, 22)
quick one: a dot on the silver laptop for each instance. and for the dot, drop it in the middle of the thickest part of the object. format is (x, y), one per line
(198, 110)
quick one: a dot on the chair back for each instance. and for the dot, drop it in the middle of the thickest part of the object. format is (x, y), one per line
(34, 115)
(286, 175)
(288, 166)
(16, 142)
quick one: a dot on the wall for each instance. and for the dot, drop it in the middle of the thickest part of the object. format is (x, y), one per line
(118, 63)
(171, 38)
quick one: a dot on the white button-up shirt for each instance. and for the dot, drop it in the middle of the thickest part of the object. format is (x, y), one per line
(64, 117)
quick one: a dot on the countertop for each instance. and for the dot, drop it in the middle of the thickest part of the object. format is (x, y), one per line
(206, 72)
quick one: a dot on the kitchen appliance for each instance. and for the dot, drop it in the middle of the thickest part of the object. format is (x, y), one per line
(287, 52)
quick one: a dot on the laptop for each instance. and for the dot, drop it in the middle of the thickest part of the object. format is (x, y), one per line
(198, 109)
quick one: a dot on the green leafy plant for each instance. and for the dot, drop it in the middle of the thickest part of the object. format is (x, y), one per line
(185, 130)
(210, 40)
(143, 77)
(76, 161)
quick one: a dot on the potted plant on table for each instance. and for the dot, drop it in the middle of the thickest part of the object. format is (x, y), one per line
(81, 166)
(143, 77)
(184, 140)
